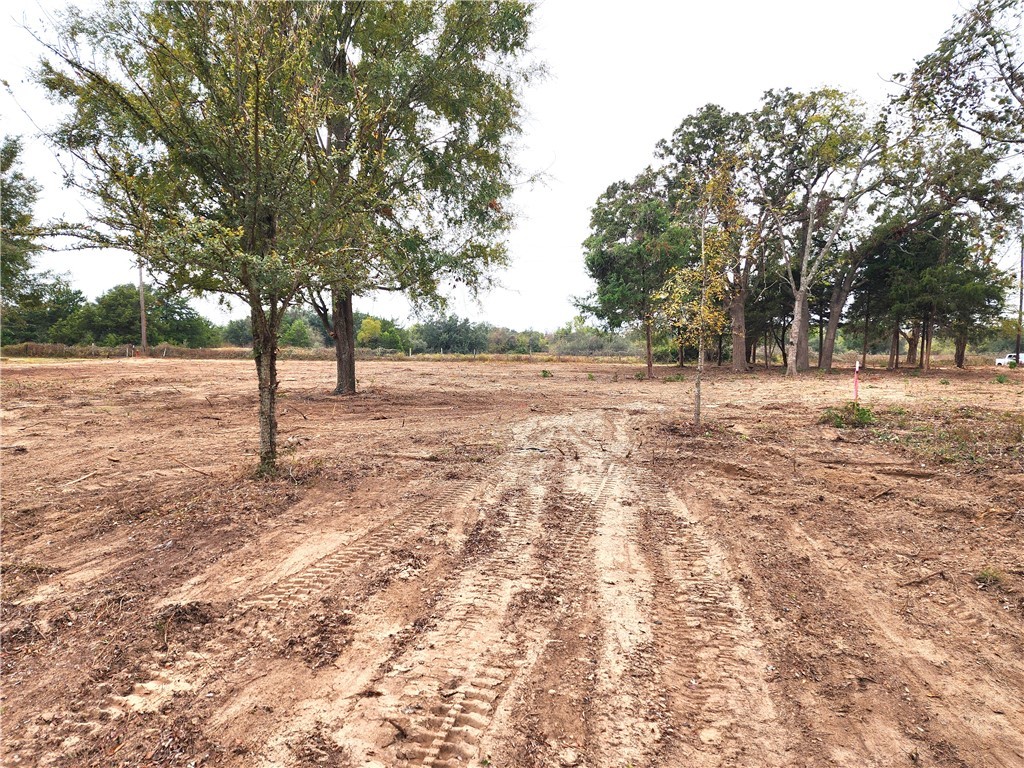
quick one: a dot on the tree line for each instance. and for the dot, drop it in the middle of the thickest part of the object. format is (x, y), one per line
(814, 210)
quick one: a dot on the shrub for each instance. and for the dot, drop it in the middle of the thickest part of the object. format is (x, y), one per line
(989, 577)
(850, 415)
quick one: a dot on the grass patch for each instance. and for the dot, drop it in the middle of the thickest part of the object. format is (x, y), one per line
(674, 377)
(956, 435)
(546, 374)
(850, 415)
(1002, 378)
(990, 577)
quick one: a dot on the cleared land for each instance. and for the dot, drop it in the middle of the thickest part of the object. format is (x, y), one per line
(477, 564)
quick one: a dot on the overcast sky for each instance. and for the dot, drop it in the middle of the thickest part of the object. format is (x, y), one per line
(622, 75)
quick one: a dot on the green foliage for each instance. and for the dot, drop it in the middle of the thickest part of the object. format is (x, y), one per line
(633, 245)
(369, 332)
(18, 195)
(43, 310)
(1002, 378)
(850, 415)
(578, 338)
(975, 77)
(238, 333)
(546, 374)
(448, 333)
(298, 333)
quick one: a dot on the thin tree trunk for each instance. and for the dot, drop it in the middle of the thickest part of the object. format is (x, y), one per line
(926, 345)
(737, 317)
(682, 351)
(264, 344)
(142, 313)
(821, 336)
(790, 354)
(894, 348)
(867, 315)
(767, 349)
(803, 350)
(650, 354)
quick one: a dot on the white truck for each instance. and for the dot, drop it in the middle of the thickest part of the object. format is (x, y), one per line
(1010, 358)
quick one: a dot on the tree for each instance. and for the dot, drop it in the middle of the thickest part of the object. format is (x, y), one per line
(448, 333)
(694, 294)
(700, 147)
(41, 311)
(426, 107)
(18, 195)
(297, 333)
(238, 333)
(975, 77)
(809, 156)
(633, 245)
(194, 127)
(369, 332)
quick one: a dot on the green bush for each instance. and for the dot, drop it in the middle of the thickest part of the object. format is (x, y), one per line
(850, 415)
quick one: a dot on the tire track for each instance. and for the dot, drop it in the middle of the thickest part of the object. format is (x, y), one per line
(708, 648)
(538, 539)
(301, 585)
(194, 671)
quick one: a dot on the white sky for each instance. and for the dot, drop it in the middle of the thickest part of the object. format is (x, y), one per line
(622, 75)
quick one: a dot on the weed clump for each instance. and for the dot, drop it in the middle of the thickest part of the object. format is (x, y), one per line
(989, 577)
(546, 374)
(850, 415)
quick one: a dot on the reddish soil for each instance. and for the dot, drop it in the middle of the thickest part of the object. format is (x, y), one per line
(474, 564)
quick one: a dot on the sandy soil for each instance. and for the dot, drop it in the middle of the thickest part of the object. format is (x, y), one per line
(477, 564)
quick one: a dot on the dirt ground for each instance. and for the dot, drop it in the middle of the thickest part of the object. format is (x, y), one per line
(511, 564)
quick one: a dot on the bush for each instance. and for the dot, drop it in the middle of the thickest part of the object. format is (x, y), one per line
(850, 415)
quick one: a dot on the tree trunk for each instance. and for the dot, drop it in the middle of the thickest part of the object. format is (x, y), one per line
(682, 351)
(142, 313)
(912, 340)
(737, 316)
(767, 350)
(960, 355)
(791, 353)
(926, 344)
(264, 344)
(650, 354)
(344, 334)
(700, 375)
(867, 317)
(894, 348)
(840, 293)
(803, 349)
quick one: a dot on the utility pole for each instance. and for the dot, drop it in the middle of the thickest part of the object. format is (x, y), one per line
(142, 312)
(1020, 295)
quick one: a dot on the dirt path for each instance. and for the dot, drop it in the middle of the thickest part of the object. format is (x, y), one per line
(479, 566)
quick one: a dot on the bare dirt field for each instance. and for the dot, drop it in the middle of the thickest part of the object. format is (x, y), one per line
(476, 564)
